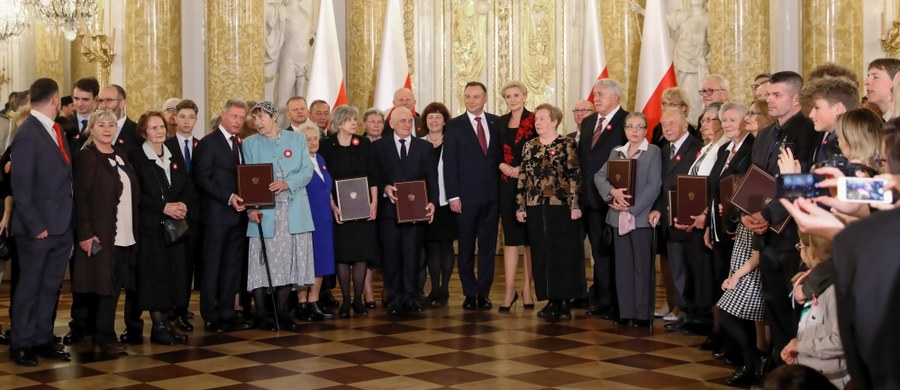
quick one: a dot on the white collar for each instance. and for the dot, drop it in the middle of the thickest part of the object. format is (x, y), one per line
(735, 147)
(45, 120)
(226, 133)
(681, 140)
(624, 148)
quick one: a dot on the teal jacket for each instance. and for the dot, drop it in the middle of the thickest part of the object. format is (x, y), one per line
(289, 152)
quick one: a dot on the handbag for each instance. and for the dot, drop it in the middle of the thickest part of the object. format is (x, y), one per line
(175, 230)
(4, 249)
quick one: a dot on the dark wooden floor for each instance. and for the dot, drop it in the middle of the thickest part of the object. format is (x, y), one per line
(440, 348)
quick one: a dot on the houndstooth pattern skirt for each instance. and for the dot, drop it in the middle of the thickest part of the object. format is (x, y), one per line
(746, 300)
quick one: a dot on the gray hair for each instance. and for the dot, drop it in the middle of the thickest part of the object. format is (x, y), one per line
(342, 114)
(714, 106)
(638, 115)
(723, 82)
(611, 85)
(309, 126)
(674, 111)
(170, 101)
(234, 103)
(732, 106)
(372, 111)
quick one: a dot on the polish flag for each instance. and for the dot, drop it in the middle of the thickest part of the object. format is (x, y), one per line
(326, 78)
(393, 71)
(593, 60)
(656, 71)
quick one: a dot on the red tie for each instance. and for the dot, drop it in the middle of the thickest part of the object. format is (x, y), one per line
(482, 139)
(597, 131)
(59, 140)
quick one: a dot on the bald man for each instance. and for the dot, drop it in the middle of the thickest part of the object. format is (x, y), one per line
(404, 97)
(581, 110)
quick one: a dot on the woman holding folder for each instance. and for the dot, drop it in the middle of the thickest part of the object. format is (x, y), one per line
(628, 216)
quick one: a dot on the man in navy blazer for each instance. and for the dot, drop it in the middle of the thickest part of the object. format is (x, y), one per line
(225, 225)
(42, 223)
(472, 155)
(600, 133)
(402, 157)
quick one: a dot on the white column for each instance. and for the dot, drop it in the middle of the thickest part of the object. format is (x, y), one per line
(193, 61)
(786, 34)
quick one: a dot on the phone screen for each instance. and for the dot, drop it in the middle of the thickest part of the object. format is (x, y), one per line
(859, 189)
(800, 185)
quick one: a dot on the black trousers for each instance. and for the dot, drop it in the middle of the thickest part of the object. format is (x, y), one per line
(401, 246)
(776, 270)
(603, 291)
(41, 268)
(477, 223)
(224, 253)
(699, 283)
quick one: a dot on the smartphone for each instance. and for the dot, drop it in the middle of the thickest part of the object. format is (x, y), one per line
(800, 185)
(863, 190)
(96, 247)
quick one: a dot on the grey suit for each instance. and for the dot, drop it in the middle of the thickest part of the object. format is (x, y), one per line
(634, 252)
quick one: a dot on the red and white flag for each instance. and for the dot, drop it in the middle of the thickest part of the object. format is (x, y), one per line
(326, 77)
(593, 55)
(656, 71)
(393, 70)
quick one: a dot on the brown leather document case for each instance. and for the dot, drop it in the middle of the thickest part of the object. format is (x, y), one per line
(253, 184)
(353, 198)
(727, 185)
(755, 190)
(691, 197)
(621, 174)
(412, 197)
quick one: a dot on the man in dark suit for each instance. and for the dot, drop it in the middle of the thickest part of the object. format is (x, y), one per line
(297, 113)
(320, 113)
(113, 98)
(42, 223)
(600, 133)
(184, 142)
(84, 94)
(829, 97)
(402, 157)
(580, 111)
(779, 259)
(471, 156)
(225, 225)
(678, 154)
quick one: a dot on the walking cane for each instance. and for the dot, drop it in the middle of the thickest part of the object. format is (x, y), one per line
(265, 256)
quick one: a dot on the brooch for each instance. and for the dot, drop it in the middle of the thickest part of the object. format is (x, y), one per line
(354, 141)
(121, 141)
(77, 137)
(195, 143)
(174, 167)
(677, 157)
(288, 153)
(609, 127)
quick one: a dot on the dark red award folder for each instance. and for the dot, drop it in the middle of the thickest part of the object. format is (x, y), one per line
(353, 198)
(691, 198)
(621, 174)
(412, 197)
(253, 184)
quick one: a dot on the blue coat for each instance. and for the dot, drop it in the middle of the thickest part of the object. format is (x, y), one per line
(289, 152)
(319, 191)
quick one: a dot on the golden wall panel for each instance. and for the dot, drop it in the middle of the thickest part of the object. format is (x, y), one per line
(621, 32)
(409, 32)
(502, 54)
(153, 58)
(538, 51)
(468, 46)
(235, 54)
(832, 33)
(738, 40)
(365, 21)
(81, 67)
(49, 56)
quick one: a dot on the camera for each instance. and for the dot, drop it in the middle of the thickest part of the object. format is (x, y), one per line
(845, 166)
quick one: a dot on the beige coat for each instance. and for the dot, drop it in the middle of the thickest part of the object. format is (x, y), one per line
(820, 343)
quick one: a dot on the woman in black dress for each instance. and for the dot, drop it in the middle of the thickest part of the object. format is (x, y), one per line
(517, 128)
(439, 235)
(166, 188)
(350, 156)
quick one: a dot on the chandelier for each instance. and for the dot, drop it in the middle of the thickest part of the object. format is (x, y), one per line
(70, 17)
(13, 19)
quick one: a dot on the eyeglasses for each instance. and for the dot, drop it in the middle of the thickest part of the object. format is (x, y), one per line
(171, 110)
(754, 87)
(582, 111)
(107, 101)
(752, 113)
(635, 127)
(672, 105)
(707, 92)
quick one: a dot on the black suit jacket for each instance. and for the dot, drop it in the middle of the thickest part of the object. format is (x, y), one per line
(469, 173)
(867, 276)
(799, 131)
(128, 140)
(593, 158)
(42, 182)
(824, 152)
(215, 176)
(671, 168)
(193, 202)
(738, 166)
(419, 164)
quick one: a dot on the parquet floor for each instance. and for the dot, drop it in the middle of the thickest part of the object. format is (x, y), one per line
(441, 348)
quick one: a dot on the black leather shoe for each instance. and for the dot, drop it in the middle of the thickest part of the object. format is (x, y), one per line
(211, 326)
(328, 301)
(549, 311)
(597, 311)
(414, 307)
(4, 338)
(642, 324)
(565, 311)
(620, 322)
(183, 324)
(360, 310)
(469, 303)
(710, 344)
(73, 337)
(53, 351)
(132, 337)
(371, 305)
(23, 357)
(672, 326)
(393, 309)
(317, 313)
(746, 377)
(233, 324)
(484, 303)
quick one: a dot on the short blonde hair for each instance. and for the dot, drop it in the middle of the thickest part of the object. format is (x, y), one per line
(97, 116)
(514, 84)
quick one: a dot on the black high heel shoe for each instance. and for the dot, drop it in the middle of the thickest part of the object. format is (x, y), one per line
(505, 309)
(345, 310)
(370, 304)
(359, 309)
(529, 306)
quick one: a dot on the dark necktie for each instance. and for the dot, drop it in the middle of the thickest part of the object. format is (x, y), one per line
(672, 151)
(59, 140)
(821, 153)
(597, 131)
(187, 156)
(402, 149)
(234, 149)
(776, 140)
(83, 126)
(482, 138)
